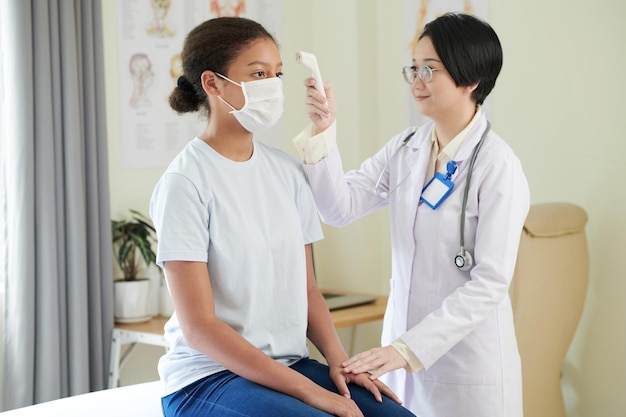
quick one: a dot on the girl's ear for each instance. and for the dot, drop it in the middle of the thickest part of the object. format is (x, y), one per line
(209, 84)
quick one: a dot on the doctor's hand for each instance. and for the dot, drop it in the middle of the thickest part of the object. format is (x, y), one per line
(321, 111)
(377, 362)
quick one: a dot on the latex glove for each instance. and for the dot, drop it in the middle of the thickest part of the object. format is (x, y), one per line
(321, 111)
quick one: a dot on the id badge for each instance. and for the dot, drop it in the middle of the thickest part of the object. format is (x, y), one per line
(437, 189)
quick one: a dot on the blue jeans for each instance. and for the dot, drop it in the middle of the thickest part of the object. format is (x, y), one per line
(225, 394)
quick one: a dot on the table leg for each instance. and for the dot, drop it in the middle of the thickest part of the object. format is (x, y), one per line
(114, 360)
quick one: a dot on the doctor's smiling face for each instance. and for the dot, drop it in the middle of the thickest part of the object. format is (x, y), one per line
(466, 57)
(434, 90)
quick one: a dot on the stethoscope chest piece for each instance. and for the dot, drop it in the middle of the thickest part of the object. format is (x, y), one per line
(463, 260)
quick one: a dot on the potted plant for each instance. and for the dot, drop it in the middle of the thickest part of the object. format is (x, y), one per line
(132, 243)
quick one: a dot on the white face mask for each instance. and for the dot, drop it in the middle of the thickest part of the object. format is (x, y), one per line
(263, 106)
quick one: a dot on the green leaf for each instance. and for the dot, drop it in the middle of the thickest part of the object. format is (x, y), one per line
(129, 236)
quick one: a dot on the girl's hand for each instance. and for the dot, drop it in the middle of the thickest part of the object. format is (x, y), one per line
(377, 388)
(321, 111)
(332, 403)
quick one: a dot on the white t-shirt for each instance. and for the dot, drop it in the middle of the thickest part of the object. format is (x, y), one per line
(249, 221)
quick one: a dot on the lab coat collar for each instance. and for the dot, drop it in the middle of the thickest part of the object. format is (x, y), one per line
(472, 138)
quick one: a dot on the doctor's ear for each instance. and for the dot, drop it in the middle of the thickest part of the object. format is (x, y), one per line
(470, 89)
(210, 83)
(473, 87)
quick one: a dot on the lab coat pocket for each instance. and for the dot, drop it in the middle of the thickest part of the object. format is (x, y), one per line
(474, 360)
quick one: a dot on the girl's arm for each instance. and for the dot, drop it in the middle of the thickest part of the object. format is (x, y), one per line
(322, 334)
(192, 297)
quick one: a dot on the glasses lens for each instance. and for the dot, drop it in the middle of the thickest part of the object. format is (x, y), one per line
(425, 73)
(409, 74)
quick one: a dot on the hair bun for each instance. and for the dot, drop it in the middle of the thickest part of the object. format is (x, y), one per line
(184, 84)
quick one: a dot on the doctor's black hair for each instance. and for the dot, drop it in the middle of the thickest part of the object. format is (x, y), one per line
(212, 45)
(470, 50)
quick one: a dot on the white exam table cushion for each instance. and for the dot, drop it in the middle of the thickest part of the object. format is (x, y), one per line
(139, 400)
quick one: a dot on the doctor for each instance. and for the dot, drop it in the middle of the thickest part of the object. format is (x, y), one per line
(448, 343)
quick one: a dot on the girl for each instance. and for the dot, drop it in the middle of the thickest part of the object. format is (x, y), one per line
(235, 220)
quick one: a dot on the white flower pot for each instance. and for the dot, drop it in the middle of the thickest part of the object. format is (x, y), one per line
(132, 301)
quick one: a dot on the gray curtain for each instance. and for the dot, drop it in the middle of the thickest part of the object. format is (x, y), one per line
(59, 290)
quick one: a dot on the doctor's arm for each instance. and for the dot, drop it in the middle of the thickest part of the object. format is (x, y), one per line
(341, 197)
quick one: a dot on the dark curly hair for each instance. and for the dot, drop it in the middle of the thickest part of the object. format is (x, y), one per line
(212, 45)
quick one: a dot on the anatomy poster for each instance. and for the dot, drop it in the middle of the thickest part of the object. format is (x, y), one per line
(151, 36)
(420, 12)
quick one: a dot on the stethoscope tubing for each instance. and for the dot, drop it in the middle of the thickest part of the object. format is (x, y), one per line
(467, 184)
(385, 194)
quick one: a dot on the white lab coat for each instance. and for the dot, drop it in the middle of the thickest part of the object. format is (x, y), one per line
(458, 323)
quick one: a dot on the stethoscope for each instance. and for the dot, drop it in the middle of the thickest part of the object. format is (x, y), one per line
(463, 260)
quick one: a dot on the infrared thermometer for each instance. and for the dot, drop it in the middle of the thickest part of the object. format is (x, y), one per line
(310, 62)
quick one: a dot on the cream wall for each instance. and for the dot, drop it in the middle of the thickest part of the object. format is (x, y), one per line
(558, 102)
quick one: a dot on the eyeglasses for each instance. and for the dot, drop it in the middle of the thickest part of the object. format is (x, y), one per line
(424, 73)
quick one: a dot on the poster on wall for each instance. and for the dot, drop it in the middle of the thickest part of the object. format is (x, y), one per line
(420, 12)
(151, 36)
